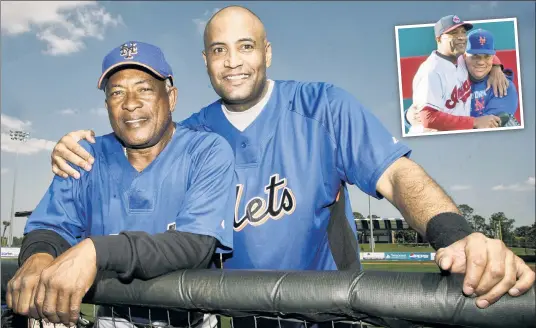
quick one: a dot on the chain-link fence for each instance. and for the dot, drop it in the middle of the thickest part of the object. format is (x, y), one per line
(93, 316)
(208, 321)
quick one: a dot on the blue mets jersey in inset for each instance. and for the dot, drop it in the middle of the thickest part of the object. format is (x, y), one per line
(484, 102)
(307, 144)
(186, 188)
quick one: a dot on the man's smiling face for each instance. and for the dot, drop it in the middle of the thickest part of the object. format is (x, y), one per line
(236, 56)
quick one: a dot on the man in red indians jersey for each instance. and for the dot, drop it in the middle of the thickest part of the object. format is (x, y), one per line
(442, 87)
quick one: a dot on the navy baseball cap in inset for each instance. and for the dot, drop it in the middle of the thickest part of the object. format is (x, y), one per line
(480, 42)
(449, 23)
(135, 53)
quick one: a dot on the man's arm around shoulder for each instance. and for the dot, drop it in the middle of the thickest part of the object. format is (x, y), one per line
(499, 105)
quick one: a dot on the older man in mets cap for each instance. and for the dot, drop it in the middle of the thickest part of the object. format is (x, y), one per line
(155, 201)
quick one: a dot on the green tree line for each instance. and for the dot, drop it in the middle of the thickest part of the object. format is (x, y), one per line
(498, 226)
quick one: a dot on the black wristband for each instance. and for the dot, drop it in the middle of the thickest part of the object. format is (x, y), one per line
(447, 228)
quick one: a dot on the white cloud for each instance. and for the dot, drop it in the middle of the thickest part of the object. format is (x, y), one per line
(12, 123)
(75, 111)
(99, 111)
(4, 170)
(528, 185)
(460, 187)
(201, 22)
(31, 146)
(69, 111)
(62, 25)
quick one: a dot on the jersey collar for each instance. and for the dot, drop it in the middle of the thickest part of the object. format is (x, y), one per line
(261, 126)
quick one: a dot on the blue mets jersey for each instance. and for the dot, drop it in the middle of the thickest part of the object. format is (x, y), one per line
(186, 188)
(485, 103)
(308, 143)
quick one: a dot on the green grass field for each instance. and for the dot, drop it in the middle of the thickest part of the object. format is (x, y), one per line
(399, 266)
(415, 266)
(408, 248)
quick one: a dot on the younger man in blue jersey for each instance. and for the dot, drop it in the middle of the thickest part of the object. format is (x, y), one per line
(298, 145)
(155, 201)
(479, 56)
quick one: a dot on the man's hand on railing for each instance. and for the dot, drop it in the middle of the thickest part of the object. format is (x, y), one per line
(21, 289)
(491, 269)
(64, 283)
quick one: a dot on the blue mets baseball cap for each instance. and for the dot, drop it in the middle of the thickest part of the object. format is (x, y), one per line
(449, 23)
(135, 53)
(480, 42)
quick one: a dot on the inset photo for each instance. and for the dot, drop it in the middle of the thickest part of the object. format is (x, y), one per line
(459, 76)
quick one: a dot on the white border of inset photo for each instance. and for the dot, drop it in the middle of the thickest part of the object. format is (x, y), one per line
(517, 76)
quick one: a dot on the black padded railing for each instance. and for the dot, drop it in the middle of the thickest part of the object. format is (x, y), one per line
(385, 298)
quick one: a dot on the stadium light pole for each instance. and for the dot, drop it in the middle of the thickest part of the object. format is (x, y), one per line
(19, 136)
(371, 239)
(499, 229)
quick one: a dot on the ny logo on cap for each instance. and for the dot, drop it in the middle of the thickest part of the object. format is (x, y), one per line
(127, 50)
(456, 19)
(482, 40)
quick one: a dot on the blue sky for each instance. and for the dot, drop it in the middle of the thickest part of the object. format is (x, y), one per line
(51, 60)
